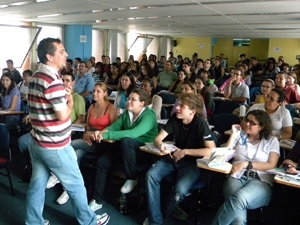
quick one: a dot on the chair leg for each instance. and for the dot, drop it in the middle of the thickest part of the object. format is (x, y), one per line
(10, 182)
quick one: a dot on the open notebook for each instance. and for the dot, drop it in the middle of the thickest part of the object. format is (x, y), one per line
(219, 156)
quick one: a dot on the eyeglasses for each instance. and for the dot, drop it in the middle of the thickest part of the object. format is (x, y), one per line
(251, 122)
(263, 86)
(272, 99)
(133, 100)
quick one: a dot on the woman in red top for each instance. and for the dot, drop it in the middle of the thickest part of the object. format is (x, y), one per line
(100, 115)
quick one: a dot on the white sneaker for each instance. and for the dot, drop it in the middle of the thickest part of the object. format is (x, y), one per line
(63, 198)
(52, 181)
(128, 186)
(94, 205)
(102, 219)
(146, 222)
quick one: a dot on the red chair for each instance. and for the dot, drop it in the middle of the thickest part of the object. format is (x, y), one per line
(5, 153)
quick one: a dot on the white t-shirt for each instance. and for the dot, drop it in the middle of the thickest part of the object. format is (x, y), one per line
(23, 89)
(245, 151)
(280, 118)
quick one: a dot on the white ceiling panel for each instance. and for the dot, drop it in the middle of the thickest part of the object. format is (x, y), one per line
(211, 18)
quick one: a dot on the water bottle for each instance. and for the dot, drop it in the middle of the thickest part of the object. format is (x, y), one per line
(242, 110)
(123, 204)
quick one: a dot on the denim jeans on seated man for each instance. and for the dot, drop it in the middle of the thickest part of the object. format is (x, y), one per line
(254, 193)
(81, 148)
(63, 164)
(187, 175)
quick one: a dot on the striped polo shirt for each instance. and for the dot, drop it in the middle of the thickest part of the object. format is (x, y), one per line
(46, 94)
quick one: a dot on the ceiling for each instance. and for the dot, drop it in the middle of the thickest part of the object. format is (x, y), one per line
(174, 18)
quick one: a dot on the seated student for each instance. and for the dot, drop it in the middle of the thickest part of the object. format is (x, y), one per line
(134, 127)
(125, 86)
(280, 117)
(188, 87)
(248, 186)
(11, 100)
(235, 90)
(207, 97)
(266, 86)
(209, 83)
(192, 139)
(169, 97)
(23, 88)
(155, 102)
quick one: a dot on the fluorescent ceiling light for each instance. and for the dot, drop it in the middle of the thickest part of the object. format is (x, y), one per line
(19, 3)
(38, 1)
(3, 6)
(50, 15)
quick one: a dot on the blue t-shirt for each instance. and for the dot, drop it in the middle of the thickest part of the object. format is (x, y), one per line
(84, 83)
(6, 101)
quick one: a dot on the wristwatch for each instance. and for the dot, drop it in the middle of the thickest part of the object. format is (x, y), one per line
(250, 166)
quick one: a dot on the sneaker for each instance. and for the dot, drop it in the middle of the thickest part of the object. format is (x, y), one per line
(128, 186)
(102, 219)
(63, 198)
(52, 181)
(146, 222)
(46, 222)
(94, 205)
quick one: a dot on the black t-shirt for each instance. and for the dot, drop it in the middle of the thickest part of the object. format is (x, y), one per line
(191, 136)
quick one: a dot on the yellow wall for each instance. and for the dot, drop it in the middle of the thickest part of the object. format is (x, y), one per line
(260, 48)
(257, 48)
(188, 45)
(288, 48)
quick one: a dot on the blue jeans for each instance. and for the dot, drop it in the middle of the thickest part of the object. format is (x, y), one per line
(63, 163)
(185, 175)
(240, 195)
(81, 148)
(23, 142)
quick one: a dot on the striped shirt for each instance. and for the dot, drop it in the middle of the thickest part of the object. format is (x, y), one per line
(46, 94)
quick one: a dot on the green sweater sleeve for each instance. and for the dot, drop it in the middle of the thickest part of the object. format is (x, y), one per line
(144, 129)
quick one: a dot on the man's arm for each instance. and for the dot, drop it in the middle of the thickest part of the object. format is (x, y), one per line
(65, 113)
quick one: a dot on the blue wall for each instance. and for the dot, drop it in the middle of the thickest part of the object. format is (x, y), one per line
(74, 47)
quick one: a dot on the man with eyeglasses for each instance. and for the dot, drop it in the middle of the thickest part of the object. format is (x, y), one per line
(235, 90)
(207, 67)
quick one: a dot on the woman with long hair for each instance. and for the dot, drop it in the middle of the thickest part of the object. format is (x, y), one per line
(249, 186)
(11, 100)
(126, 85)
(112, 79)
(207, 97)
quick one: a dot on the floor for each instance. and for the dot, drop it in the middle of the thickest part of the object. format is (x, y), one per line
(13, 207)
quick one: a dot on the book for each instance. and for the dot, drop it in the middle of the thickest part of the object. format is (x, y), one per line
(219, 156)
(150, 146)
(282, 172)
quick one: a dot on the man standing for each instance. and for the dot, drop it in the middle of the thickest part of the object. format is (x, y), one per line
(235, 90)
(16, 74)
(50, 106)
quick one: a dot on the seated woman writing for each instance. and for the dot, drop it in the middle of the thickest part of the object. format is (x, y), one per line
(248, 186)
(11, 100)
(134, 127)
(292, 160)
